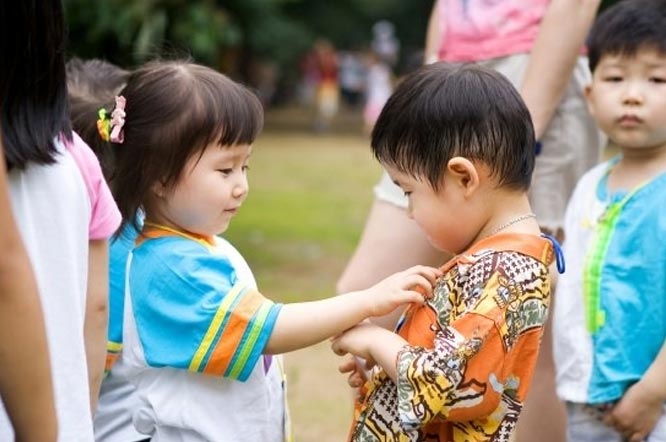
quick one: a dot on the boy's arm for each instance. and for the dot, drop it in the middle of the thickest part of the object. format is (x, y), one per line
(561, 36)
(303, 324)
(637, 413)
(468, 358)
(96, 320)
(25, 375)
(372, 343)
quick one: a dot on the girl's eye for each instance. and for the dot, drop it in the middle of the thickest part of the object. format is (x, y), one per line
(225, 171)
(407, 193)
(246, 168)
(658, 79)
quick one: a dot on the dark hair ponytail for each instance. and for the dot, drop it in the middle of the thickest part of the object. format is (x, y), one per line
(33, 92)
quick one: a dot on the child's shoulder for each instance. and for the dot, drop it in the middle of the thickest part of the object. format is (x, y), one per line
(594, 174)
(517, 257)
(183, 255)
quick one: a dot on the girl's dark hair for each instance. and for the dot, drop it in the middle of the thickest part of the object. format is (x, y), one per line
(175, 109)
(92, 84)
(441, 111)
(626, 27)
(33, 94)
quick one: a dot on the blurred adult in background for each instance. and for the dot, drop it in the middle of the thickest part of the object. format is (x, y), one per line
(378, 88)
(539, 46)
(327, 94)
(352, 75)
(62, 206)
(25, 376)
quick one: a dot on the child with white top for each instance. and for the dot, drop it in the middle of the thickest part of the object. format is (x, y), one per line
(63, 208)
(610, 313)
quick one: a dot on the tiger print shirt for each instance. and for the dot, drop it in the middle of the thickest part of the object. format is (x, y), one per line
(472, 349)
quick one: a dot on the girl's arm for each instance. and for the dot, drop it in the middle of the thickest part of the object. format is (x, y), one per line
(303, 324)
(25, 374)
(96, 319)
(561, 37)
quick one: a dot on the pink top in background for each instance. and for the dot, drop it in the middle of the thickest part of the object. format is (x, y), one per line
(104, 217)
(477, 30)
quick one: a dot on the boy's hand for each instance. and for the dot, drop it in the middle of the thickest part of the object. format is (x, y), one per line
(636, 414)
(357, 341)
(357, 369)
(412, 285)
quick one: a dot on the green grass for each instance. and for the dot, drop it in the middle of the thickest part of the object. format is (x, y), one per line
(309, 196)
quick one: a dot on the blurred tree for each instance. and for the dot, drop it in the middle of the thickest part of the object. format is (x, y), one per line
(237, 35)
(130, 31)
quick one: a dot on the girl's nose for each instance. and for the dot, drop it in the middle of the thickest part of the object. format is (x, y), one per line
(241, 186)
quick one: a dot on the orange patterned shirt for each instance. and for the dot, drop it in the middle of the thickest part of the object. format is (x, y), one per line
(472, 349)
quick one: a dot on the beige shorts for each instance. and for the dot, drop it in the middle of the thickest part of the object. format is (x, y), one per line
(571, 146)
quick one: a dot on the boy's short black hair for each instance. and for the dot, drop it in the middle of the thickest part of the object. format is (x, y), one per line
(441, 111)
(626, 27)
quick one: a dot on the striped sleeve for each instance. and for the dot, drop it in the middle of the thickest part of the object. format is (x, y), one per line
(192, 313)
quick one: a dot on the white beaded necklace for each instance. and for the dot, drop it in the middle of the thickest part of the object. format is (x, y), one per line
(513, 221)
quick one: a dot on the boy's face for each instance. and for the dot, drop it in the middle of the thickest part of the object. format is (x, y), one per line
(627, 98)
(439, 213)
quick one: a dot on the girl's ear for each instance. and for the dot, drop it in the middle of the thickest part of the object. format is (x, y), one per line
(159, 189)
(463, 174)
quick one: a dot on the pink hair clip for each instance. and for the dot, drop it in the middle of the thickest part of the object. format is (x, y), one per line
(118, 120)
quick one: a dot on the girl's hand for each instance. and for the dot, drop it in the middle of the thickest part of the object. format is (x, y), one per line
(636, 414)
(413, 285)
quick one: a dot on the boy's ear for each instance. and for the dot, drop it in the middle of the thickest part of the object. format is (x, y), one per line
(463, 174)
(589, 98)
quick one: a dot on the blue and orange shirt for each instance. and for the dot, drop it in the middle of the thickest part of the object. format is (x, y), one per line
(191, 310)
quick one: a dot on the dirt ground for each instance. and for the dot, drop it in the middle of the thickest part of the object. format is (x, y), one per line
(319, 398)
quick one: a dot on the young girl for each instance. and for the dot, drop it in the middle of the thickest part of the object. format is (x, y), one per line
(197, 335)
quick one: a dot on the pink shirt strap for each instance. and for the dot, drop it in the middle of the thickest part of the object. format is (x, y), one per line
(105, 216)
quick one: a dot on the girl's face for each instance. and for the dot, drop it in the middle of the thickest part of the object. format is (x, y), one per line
(209, 193)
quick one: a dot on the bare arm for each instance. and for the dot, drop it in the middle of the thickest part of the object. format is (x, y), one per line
(655, 378)
(25, 374)
(96, 320)
(303, 324)
(561, 37)
(434, 35)
(642, 405)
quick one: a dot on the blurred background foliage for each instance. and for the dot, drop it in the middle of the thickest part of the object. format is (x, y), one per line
(237, 36)
(234, 35)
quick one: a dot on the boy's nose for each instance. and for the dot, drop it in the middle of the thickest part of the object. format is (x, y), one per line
(633, 95)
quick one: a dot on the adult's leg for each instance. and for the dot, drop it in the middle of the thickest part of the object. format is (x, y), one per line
(570, 146)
